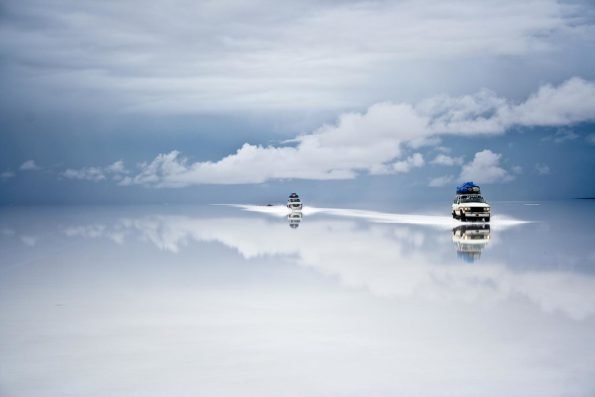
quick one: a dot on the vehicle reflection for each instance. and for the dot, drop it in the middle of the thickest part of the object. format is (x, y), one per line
(295, 218)
(470, 240)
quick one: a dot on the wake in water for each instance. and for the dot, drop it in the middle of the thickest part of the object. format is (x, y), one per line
(500, 220)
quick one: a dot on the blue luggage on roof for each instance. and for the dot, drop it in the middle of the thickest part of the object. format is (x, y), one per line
(468, 188)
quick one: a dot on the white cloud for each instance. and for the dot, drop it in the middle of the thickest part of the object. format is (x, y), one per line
(389, 274)
(6, 175)
(443, 149)
(181, 55)
(116, 168)
(368, 142)
(88, 173)
(482, 112)
(375, 142)
(570, 102)
(29, 165)
(442, 159)
(96, 174)
(562, 135)
(542, 169)
(414, 161)
(441, 181)
(371, 142)
(485, 168)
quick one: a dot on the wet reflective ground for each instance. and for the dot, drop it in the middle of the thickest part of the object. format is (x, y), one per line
(257, 301)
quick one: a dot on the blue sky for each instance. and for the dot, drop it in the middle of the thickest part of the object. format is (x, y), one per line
(183, 101)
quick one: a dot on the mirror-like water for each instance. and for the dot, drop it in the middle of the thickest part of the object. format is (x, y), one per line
(258, 301)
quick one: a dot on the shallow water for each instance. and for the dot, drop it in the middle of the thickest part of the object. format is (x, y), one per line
(256, 301)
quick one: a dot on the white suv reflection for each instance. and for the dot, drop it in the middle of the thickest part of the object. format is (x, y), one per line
(470, 240)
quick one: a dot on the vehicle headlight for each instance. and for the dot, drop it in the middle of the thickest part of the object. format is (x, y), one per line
(487, 209)
(466, 209)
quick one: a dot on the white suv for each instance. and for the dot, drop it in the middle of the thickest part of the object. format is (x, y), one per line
(470, 206)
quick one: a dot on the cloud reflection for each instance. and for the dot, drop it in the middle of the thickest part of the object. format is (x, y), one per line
(218, 301)
(403, 261)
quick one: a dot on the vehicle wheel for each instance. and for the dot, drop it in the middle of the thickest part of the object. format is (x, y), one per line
(488, 219)
(454, 215)
(462, 217)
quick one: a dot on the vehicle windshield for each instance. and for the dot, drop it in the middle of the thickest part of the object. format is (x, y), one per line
(472, 199)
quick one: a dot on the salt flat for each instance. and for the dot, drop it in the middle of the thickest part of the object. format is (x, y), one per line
(244, 301)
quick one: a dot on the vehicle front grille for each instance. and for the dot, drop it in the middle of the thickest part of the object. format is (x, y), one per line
(477, 209)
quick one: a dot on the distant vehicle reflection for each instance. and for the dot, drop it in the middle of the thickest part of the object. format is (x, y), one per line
(470, 240)
(295, 218)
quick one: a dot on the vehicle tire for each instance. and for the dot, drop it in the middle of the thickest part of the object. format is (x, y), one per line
(454, 216)
(488, 219)
(462, 217)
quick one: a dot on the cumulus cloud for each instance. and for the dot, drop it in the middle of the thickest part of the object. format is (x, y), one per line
(568, 103)
(485, 168)
(116, 168)
(96, 174)
(368, 142)
(448, 161)
(414, 161)
(485, 112)
(542, 169)
(374, 142)
(29, 165)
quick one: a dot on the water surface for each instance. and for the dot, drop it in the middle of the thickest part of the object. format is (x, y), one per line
(256, 301)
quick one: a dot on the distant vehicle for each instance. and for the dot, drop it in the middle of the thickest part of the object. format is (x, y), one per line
(294, 203)
(469, 204)
(470, 240)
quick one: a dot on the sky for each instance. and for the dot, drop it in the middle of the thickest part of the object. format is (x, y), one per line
(346, 101)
